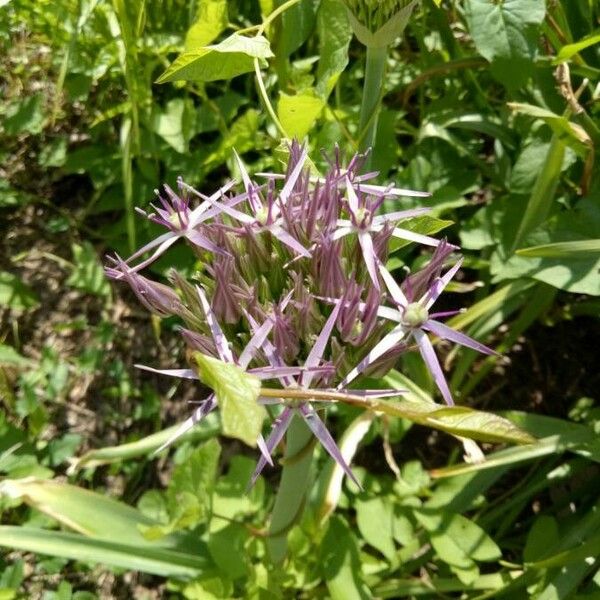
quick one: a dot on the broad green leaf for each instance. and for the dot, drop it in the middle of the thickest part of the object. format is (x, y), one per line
(158, 561)
(190, 491)
(335, 34)
(340, 563)
(233, 56)
(529, 163)
(297, 23)
(232, 497)
(86, 512)
(299, 112)
(14, 294)
(577, 249)
(457, 540)
(506, 34)
(173, 124)
(542, 535)
(243, 135)
(211, 20)
(227, 547)
(194, 479)
(375, 520)
(570, 50)
(26, 115)
(456, 420)
(237, 394)
(576, 271)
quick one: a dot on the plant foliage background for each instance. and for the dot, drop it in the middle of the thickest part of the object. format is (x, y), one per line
(490, 106)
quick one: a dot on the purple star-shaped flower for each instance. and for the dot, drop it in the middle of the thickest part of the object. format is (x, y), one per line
(182, 221)
(267, 214)
(413, 319)
(365, 223)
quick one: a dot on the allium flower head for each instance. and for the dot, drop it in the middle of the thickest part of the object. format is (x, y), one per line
(292, 288)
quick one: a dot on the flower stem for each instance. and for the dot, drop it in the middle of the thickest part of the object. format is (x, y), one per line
(289, 503)
(372, 94)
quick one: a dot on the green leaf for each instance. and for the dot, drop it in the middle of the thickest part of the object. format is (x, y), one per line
(506, 34)
(12, 197)
(457, 540)
(89, 513)
(578, 249)
(570, 133)
(88, 274)
(237, 394)
(189, 495)
(299, 112)
(375, 520)
(424, 225)
(340, 563)
(388, 32)
(211, 20)
(158, 561)
(9, 356)
(297, 23)
(575, 269)
(233, 56)
(456, 420)
(542, 536)
(14, 294)
(570, 50)
(557, 436)
(335, 34)
(226, 544)
(172, 124)
(206, 429)
(26, 115)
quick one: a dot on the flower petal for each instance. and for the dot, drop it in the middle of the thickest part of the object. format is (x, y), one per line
(398, 215)
(219, 338)
(312, 419)
(393, 288)
(442, 330)
(438, 286)
(433, 364)
(386, 344)
(287, 239)
(316, 352)
(411, 236)
(278, 430)
(205, 407)
(368, 252)
(181, 373)
(352, 197)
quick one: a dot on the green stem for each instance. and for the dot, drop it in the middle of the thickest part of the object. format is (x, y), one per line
(291, 495)
(372, 94)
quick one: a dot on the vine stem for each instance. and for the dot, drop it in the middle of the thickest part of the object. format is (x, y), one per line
(372, 95)
(259, 77)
